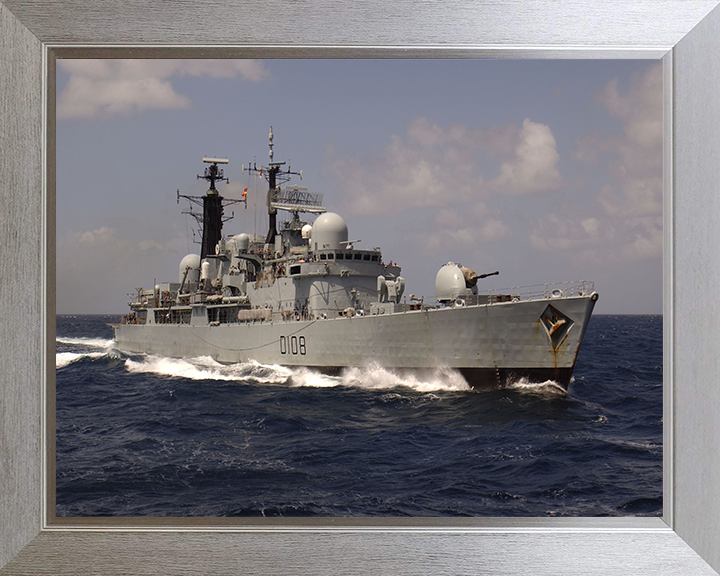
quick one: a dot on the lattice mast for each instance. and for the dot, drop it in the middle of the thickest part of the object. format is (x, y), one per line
(211, 220)
(291, 198)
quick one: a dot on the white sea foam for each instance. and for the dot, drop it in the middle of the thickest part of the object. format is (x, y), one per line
(91, 342)
(205, 368)
(304, 377)
(372, 377)
(63, 359)
(549, 388)
(375, 377)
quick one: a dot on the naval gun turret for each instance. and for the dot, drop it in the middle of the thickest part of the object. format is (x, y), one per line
(454, 281)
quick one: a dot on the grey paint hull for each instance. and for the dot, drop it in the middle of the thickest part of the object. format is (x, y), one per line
(491, 345)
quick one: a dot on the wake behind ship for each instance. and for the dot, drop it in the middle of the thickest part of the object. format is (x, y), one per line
(305, 295)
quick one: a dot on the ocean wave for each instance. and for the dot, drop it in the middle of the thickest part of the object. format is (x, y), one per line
(636, 445)
(549, 388)
(205, 368)
(63, 359)
(375, 377)
(340, 447)
(372, 377)
(308, 378)
(91, 342)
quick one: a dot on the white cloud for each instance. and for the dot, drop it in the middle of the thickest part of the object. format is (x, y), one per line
(646, 239)
(100, 266)
(106, 88)
(633, 197)
(534, 167)
(100, 236)
(451, 227)
(640, 108)
(493, 229)
(591, 226)
(148, 245)
(403, 175)
(455, 138)
(432, 166)
(457, 171)
(88, 98)
(605, 239)
(629, 227)
(553, 233)
(634, 159)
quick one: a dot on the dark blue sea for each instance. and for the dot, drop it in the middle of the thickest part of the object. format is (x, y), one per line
(141, 435)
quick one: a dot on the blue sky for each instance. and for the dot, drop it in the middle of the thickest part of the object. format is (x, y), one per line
(547, 171)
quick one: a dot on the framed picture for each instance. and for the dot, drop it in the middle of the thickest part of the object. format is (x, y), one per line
(33, 542)
(540, 170)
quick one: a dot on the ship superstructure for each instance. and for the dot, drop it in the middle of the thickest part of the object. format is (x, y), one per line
(305, 294)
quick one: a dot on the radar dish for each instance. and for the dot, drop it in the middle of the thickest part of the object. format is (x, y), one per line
(297, 199)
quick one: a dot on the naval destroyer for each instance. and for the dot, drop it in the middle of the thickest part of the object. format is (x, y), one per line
(305, 295)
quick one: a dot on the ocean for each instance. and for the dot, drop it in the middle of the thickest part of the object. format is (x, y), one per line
(143, 435)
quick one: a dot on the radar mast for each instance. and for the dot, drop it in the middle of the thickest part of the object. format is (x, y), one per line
(211, 220)
(293, 198)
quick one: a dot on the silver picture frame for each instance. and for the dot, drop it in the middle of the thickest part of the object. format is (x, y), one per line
(685, 34)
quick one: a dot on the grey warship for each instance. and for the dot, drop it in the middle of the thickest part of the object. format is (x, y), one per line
(305, 296)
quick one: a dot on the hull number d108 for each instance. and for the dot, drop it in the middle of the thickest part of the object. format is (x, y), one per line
(292, 345)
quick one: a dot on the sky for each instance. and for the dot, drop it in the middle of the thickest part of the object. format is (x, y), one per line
(547, 171)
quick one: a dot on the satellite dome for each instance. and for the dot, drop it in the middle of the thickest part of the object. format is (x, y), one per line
(193, 261)
(242, 241)
(328, 231)
(449, 283)
(306, 232)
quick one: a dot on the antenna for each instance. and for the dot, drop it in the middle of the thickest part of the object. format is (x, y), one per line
(213, 173)
(210, 220)
(292, 198)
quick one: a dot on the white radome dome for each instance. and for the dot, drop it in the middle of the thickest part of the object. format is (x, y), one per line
(328, 232)
(242, 241)
(192, 260)
(449, 282)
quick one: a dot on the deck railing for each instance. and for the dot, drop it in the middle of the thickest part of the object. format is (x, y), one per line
(544, 291)
(568, 289)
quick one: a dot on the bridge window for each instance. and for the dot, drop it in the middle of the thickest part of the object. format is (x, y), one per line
(225, 315)
(358, 256)
(294, 270)
(172, 316)
(366, 257)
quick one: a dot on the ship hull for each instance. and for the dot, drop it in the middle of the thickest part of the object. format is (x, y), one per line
(491, 345)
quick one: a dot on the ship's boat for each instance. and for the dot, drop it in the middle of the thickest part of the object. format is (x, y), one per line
(306, 295)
